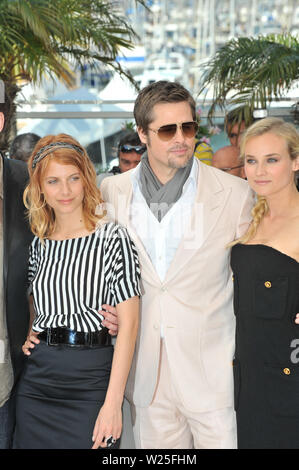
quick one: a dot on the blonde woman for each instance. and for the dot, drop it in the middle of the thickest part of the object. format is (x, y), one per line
(265, 263)
(71, 392)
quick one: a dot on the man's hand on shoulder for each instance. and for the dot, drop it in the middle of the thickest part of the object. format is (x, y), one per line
(110, 319)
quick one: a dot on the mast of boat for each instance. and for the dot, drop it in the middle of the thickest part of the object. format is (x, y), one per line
(232, 29)
(198, 46)
(253, 18)
(212, 27)
(205, 36)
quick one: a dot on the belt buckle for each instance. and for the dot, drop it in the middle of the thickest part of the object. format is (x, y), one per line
(49, 338)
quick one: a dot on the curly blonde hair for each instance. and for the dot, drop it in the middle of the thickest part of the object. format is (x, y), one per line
(41, 215)
(290, 134)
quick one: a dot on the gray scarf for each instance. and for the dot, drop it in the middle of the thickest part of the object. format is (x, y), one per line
(161, 197)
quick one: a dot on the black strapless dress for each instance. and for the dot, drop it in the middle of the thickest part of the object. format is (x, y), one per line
(266, 364)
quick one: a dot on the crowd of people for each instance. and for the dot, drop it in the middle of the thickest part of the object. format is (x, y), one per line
(192, 267)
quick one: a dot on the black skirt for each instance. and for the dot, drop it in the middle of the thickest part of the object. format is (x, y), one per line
(59, 396)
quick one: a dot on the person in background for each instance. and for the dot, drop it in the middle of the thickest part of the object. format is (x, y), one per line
(71, 392)
(203, 152)
(265, 264)
(22, 146)
(234, 128)
(228, 159)
(15, 238)
(129, 153)
(181, 214)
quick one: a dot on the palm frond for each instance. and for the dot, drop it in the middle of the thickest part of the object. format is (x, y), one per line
(42, 37)
(252, 71)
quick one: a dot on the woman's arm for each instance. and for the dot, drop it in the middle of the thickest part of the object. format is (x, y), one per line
(31, 335)
(109, 421)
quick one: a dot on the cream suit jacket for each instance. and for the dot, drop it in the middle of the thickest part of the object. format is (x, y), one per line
(194, 301)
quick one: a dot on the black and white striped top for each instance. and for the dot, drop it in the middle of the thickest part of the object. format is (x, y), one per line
(72, 278)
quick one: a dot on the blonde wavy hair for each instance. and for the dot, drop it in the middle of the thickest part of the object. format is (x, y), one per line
(41, 215)
(290, 134)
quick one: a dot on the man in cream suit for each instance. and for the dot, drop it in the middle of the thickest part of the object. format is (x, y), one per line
(181, 215)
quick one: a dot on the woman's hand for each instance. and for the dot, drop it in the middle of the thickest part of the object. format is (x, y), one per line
(107, 425)
(297, 318)
(31, 341)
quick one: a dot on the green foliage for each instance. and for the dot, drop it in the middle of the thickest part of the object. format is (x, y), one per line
(52, 38)
(41, 36)
(251, 71)
(205, 131)
(129, 125)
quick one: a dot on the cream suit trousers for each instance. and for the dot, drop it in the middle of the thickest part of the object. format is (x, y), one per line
(166, 424)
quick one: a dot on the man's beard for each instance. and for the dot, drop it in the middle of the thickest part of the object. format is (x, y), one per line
(180, 162)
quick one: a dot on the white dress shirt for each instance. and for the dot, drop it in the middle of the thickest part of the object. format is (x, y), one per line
(161, 239)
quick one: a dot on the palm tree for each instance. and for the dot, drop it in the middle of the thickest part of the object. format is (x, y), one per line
(251, 72)
(42, 37)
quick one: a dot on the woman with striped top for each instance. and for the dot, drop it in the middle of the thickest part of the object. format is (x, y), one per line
(71, 392)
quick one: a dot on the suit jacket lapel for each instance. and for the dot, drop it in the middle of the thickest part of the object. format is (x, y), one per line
(209, 203)
(210, 200)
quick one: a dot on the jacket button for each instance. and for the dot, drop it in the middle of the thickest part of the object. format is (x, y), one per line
(286, 371)
(268, 284)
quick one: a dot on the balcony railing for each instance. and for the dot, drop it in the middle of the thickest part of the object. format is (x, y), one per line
(34, 110)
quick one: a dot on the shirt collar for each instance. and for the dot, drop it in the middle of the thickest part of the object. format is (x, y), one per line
(193, 177)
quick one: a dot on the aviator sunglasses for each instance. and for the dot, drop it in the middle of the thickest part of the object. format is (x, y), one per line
(132, 148)
(167, 132)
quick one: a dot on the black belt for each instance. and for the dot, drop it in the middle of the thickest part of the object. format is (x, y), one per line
(66, 336)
